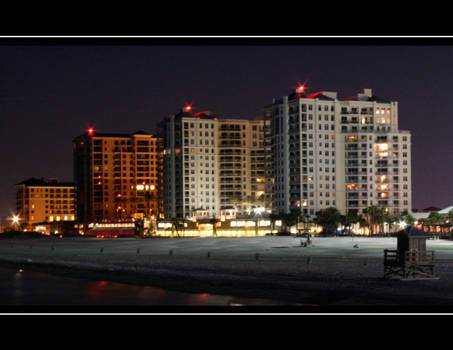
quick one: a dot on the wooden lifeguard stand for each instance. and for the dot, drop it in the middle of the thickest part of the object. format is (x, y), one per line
(410, 260)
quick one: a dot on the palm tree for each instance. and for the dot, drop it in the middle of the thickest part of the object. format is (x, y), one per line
(390, 220)
(213, 221)
(435, 219)
(375, 217)
(424, 222)
(149, 197)
(449, 220)
(273, 217)
(283, 217)
(261, 200)
(306, 219)
(328, 219)
(235, 199)
(350, 218)
(408, 219)
(450, 216)
(175, 225)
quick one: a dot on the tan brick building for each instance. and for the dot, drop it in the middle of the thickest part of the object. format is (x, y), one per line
(118, 176)
(45, 200)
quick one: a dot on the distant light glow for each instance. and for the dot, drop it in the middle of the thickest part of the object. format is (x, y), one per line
(300, 88)
(259, 210)
(188, 108)
(90, 131)
(15, 219)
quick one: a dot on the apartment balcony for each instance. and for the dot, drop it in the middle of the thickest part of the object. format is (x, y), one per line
(230, 187)
(230, 138)
(355, 172)
(225, 127)
(229, 173)
(230, 180)
(230, 167)
(230, 152)
(230, 158)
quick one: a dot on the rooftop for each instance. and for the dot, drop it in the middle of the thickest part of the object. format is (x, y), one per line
(45, 182)
(138, 132)
(366, 96)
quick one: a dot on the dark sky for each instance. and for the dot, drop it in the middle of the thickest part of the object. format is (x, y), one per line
(50, 94)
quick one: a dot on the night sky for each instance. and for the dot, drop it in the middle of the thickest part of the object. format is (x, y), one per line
(50, 94)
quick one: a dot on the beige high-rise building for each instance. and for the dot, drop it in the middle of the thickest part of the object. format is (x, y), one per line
(211, 163)
(118, 176)
(45, 200)
(346, 153)
(240, 146)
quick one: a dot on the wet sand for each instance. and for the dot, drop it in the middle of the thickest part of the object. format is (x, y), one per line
(326, 275)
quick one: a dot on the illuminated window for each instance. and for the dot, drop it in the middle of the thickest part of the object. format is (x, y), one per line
(382, 146)
(382, 178)
(383, 187)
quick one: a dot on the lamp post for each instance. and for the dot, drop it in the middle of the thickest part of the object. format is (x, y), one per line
(15, 220)
(149, 195)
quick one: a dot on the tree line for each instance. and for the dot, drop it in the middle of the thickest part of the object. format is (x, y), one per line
(373, 218)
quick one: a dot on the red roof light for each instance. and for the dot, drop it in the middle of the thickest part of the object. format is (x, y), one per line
(300, 88)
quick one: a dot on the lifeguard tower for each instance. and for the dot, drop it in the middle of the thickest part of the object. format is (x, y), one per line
(410, 260)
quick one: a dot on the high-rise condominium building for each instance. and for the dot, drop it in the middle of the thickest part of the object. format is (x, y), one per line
(337, 152)
(211, 162)
(118, 176)
(45, 200)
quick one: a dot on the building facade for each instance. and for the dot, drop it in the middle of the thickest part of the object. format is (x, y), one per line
(118, 176)
(45, 200)
(211, 163)
(329, 152)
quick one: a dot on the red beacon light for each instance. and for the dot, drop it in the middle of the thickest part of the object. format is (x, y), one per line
(300, 89)
(187, 108)
(90, 131)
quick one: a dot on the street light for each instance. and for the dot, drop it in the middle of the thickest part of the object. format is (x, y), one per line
(15, 221)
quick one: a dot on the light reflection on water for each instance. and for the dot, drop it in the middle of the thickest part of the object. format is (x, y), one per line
(25, 287)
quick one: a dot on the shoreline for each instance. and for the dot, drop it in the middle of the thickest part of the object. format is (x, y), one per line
(334, 279)
(173, 281)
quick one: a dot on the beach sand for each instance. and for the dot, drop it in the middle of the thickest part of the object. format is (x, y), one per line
(330, 272)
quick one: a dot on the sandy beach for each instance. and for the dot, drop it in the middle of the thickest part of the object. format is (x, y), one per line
(336, 271)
